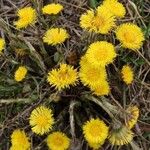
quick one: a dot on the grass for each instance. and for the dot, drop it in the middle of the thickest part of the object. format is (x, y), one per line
(17, 100)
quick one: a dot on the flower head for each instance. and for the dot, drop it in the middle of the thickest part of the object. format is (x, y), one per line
(58, 141)
(101, 53)
(19, 140)
(133, 116)
(120, 136)
(127, 74)
(101, 89)
(52, 9)
(2, 45)
(100, 21)
(41, 120)
(116, 8)
(95, 131)
(20, 73)
(27, 16)
(89, 75)
(130, 35)
(63, 77)
(55, 36)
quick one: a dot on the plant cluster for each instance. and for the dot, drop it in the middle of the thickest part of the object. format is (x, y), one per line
(89, 77)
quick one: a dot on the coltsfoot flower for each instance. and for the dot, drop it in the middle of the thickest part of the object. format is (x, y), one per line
(89, 75)
(58, 141)
(95, 132)
(19, 140)
(101, 21)
(20, 73)
(63, 77)
(52, 9)
(133, 116)
(101, 53)
(27, 16)
(130, 36)
(41, 120)
(2, 45)
(101, 89)
(120, 136)
(127, 74)
(55, 36)
(116, 8)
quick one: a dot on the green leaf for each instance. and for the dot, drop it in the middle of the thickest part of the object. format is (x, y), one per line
(147, 31)
(93, 3)
(56, 56)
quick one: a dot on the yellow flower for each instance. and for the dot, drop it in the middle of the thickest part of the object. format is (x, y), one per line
(27, 16)
(2, 45)
(20, 51)
(100, 21)
(120, 136)
(52, 9)
(116, 8)
(101, 89)
(133, 116)
(19, 140)
(130, 35)
(20, 73)
(101, 53)
(90, 75)
(63, 77)
(58, 141)
(127, 74)
(41, 120)
(95, 131)
(55, 36)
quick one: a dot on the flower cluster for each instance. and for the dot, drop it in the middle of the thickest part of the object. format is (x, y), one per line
(101, 21)
(93, 63)
(92, 72)
(95, 78)
(41, 121)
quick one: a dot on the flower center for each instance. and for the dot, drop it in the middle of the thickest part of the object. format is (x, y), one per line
(98, 21)
(129, 37)
(95, 131)
(93, 74)
(101, 55)
(58, 141)
(42, 120)
(63, 75)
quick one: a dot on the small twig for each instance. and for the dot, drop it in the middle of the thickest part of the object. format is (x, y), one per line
(18, 100)
(144, 58)
(99, 102)
(36, 55)
(72, 124)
